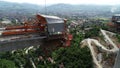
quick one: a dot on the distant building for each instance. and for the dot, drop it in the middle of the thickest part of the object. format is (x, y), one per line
(6, 21)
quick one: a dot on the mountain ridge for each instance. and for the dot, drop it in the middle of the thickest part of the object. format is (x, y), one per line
(13, 9)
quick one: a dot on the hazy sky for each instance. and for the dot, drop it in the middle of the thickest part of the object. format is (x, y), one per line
(42, 2)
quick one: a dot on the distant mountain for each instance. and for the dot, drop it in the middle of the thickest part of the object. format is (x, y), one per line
(69, 8)
(13, 10)
(8, 7)
(90, 10)
(18, 10)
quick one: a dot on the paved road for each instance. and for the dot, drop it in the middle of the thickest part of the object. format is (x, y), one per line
(117, 60)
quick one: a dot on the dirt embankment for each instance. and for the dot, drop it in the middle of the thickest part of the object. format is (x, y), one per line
(92, 43)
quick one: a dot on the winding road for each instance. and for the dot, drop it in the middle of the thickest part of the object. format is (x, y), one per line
(89, 42)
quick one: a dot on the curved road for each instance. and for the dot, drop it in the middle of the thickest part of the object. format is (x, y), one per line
(89, 42)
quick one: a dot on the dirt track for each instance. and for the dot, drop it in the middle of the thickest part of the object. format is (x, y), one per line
(89, 42)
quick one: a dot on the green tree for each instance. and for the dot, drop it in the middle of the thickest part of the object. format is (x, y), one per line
(92, 32)
(118, 37)
(7, 64)
(73, 57)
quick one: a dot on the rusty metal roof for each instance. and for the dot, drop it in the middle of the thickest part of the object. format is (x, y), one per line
(53, 19)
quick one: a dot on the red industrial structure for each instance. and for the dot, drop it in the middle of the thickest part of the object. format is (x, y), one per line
(49, 27)
(115, 22)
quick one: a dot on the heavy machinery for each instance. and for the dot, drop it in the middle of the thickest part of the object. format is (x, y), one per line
(115, 22)
(31, 33)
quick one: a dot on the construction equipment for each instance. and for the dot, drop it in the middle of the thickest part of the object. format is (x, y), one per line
(43, 27)
(115, 22)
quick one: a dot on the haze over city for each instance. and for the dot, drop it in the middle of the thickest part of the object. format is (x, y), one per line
(49, 2)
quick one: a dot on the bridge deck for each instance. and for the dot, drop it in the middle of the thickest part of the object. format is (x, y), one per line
(20, 43)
